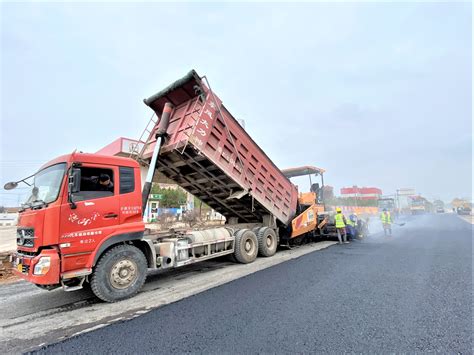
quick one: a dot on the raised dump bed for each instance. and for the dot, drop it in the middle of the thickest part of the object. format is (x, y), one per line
(209, 154)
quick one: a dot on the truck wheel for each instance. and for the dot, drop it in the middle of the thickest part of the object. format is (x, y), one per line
(119, 274)
(267, 241)
(246, 246)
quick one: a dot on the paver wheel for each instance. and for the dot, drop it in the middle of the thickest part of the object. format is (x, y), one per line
(119, 274)
(246, 246)
(267, 241)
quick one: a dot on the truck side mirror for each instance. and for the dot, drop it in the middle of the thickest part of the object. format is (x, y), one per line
(76, 180)
(74, 185)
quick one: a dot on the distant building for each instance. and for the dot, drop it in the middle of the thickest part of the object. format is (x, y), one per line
(151, 212)
(11, 209)
(362, 193)
(122, 147)
(8, 219)
(403, 197)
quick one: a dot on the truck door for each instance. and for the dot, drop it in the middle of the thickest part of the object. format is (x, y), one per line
(130, 199)
(96, 215)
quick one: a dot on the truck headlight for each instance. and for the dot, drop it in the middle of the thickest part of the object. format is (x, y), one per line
(42, 266)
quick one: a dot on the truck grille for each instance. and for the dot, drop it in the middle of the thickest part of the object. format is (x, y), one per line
(25, 237)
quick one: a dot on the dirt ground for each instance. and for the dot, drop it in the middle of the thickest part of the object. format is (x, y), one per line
(6, 275)
(7, 245)
(7, 239)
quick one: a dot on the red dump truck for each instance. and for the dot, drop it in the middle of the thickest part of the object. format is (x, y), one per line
(83, 221)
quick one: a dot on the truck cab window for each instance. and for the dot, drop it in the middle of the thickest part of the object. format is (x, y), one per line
(127, 180)
(95, 183)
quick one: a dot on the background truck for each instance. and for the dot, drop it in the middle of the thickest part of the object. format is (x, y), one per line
(387, 203)
(420, 205)
(461, 206)
(74, 230)
(464, 209)
(438, 206)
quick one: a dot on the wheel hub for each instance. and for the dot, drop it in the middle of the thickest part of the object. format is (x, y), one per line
(249, 246)
(269, 241)
(123, 273)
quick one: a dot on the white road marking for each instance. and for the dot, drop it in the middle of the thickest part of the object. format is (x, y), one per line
(98, 326)
(468, 219)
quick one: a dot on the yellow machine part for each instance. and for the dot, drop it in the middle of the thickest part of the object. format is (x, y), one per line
(307, 198)
(306, 221)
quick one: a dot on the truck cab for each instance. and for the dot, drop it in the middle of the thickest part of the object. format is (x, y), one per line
(386, 203)
(70, 219)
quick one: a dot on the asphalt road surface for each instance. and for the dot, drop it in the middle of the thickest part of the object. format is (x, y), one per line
(31, 318)
(409, 293)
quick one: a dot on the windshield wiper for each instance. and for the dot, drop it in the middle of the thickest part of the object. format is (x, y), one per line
(37, 204)
(24, 206)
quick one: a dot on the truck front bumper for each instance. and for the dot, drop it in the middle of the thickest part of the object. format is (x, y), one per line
(24, 267)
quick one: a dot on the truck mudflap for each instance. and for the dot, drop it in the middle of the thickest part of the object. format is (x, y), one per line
(42, 269)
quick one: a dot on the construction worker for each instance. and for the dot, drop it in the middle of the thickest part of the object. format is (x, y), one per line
(386, 219)
(351, 227)
(340, 225)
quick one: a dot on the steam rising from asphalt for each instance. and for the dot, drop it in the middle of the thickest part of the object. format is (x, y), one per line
(410, 222)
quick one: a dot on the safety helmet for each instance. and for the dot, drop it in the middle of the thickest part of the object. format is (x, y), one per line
(338, 209)
(385, 210)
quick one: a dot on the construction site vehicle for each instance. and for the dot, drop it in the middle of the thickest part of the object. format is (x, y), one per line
(464, 210)
(420, 205)
(77, 228)
(439, 206)
(387, 203)
(461, 206)
(313, 221)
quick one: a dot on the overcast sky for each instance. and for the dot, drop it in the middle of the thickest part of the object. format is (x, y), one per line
(377, 94)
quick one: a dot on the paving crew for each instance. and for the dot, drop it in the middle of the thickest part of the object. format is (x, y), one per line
(386, 219)
(340, 225)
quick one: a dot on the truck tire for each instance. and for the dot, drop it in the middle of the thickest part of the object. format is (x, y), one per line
(246, 246)
(267, 241)
(119, 274)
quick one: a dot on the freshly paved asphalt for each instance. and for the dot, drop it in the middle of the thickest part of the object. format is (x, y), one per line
(410, 293)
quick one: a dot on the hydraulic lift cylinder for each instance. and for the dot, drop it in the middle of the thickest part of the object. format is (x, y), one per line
(160, 136)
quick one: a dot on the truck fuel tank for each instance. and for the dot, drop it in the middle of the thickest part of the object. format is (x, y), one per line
(193, 244)
(209, 235)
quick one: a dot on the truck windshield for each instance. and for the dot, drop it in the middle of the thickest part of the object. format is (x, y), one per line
(47, 184)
